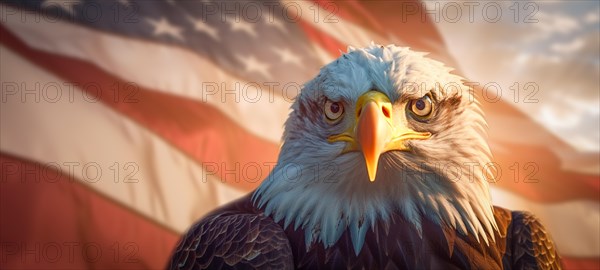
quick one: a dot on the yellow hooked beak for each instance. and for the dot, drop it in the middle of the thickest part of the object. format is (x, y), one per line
(374, 132)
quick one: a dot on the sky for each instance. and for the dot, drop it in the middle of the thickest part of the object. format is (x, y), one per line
(550, 48)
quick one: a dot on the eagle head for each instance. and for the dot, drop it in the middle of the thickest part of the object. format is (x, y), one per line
(381, 130)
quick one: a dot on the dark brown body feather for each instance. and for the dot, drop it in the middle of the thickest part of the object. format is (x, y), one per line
(240, 236)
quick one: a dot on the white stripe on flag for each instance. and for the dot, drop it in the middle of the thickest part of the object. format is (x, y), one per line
(91, 137)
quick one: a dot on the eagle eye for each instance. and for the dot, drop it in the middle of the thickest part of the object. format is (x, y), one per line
(333, 110)
(422, 108)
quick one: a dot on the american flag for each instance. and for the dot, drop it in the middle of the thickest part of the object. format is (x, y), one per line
(123, 122)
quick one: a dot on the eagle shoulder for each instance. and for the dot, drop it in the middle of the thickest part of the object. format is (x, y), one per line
(233, 240)
(529, 245)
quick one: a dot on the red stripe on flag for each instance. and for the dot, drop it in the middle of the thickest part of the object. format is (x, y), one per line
(197, 129)
(570, 263)
(52, 221)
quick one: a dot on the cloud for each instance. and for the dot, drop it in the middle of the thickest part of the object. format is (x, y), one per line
(569, 47)
(591, 17)
(551, 23)
(559, 54)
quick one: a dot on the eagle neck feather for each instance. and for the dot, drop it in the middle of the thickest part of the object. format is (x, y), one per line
(324, 210)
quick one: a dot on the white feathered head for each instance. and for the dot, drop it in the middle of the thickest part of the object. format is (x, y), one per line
(381, 129)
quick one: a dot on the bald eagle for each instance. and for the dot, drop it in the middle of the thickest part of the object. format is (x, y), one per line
(384, 165)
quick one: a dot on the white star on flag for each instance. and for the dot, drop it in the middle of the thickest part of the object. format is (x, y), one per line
(241, 25)
(288, 57)
(251, 64)
(201, 26)
(163, 26)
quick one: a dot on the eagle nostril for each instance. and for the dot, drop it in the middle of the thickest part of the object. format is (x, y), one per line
(386, 111)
